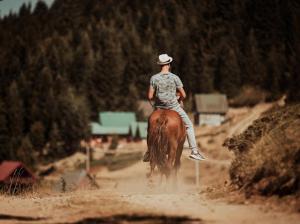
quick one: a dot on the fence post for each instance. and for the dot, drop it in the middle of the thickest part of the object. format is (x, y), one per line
(197, 178)
(88, 159)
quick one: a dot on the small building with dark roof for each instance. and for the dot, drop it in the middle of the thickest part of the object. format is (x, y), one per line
(210, 109)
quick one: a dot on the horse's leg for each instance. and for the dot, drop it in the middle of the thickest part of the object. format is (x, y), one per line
(150, 174)
(165, 172)
(177, 161)
(161, 177)
(170, 172)
(178, 156)
(152, 167)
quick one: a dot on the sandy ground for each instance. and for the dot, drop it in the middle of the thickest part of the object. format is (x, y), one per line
(124, 196)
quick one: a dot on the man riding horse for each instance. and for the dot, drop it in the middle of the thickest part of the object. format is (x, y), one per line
(164, 86)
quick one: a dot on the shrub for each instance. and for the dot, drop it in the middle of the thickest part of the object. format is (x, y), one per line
(248, 96)
(267, 154)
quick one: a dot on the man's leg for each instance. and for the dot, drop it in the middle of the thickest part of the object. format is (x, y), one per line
(190, 133)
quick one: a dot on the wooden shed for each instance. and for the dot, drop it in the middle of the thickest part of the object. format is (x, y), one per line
(210, 109)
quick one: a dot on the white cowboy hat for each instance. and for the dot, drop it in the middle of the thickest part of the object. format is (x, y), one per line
(164, 59)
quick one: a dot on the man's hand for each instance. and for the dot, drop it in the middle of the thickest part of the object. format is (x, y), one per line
(178, 97)
(181, 94)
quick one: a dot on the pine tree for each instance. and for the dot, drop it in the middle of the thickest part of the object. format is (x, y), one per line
(55, 142)
(83, 64)
(275, 81)
(129, 102)
(25, 10)
(37, 136)
(41, 8)
(190, 70)
(72, 119)
(108, 73)
(25, 90)
(42, 103)
(229, 79)
(15, 114)
(24, 151)
(208, 73)
(4, 133)
(255, 70)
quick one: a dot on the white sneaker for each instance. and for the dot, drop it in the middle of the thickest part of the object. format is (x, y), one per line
(197, 156)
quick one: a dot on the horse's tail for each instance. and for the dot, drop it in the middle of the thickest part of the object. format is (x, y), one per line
(158, 140)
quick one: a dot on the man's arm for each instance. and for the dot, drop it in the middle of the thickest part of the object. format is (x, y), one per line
(182, 94)
(150, 93)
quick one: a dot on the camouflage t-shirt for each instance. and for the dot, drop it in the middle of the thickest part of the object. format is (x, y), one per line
(165, 86)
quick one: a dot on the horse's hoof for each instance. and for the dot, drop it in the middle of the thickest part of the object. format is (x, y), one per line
(150, 184)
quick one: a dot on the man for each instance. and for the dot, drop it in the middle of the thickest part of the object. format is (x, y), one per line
(164, 86)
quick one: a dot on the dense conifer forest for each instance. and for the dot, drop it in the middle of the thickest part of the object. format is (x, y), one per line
(60, 66)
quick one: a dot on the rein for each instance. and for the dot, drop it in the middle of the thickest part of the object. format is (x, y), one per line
(152, 105)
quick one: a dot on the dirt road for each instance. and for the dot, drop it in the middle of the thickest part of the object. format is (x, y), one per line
(125, 197)
(124, 194)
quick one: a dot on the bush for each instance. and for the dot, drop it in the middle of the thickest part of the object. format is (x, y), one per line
(248, 96)
(267, 154)
(114, 142)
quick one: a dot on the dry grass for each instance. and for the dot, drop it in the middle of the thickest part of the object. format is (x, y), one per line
(267, 154)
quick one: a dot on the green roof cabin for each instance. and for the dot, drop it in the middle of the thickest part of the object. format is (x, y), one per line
(139, 130)
(101, 130)
(116, 119)
(119, 123)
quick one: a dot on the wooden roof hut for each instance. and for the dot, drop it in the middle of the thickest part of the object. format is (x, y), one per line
(210, 109)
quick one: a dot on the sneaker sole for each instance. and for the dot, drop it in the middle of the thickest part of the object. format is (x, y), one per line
(196, 159)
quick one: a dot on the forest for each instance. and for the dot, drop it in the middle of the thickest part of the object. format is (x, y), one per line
(61, 65)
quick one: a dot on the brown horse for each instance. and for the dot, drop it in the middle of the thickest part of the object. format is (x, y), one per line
(166, 136)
